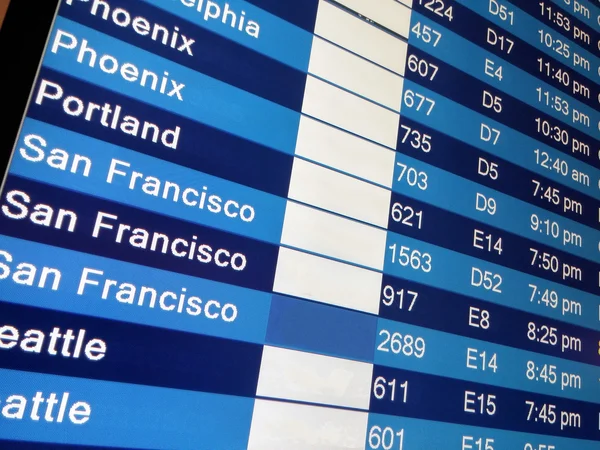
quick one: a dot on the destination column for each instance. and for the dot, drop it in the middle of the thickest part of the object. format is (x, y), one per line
(168, 181)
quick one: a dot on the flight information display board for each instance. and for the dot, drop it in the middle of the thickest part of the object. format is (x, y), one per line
(296, 225)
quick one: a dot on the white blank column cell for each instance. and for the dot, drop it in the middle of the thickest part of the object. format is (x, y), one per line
(314, 278)
(341, 150)
(288, 426)
(308, 377)
(326, 234)
(339, 193)
(356, 74)
(388, 13)
(350, 112)
(360, 37)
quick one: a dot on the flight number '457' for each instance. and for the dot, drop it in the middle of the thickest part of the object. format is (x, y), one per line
(426, 34)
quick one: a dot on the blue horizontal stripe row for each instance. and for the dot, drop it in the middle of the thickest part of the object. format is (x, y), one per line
(547, 306)
(134, 353)
(430, 434)
(188, 248)
(148, 417)
(334, 331)
(510, 412)
(83, 278)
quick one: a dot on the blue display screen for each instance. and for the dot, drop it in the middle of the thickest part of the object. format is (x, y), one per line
(306, 225)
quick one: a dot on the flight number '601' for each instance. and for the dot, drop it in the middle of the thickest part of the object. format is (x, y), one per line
(386, 438)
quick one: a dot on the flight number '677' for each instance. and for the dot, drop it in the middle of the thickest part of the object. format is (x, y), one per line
(418, 102)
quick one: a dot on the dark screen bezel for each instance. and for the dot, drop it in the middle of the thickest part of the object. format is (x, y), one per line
(23, 38)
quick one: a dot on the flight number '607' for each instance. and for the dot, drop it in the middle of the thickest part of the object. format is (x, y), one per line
(422, 67)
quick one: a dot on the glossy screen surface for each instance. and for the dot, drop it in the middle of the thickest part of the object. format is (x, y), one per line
(306, 225)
